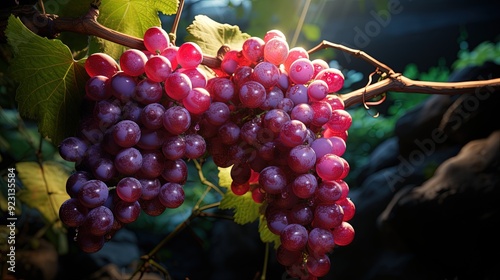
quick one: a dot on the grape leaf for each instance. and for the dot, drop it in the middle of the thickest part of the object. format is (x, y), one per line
(44, 188)
(51, 82)
(245, 208)
(211, 35)
(132, 18)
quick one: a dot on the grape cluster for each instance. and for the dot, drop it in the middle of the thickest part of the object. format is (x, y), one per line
(269, 112)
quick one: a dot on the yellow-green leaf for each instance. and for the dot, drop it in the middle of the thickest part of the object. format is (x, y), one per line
(246, 210)
(132, 17)
(44, 188)
(51, 82)
(211, 35)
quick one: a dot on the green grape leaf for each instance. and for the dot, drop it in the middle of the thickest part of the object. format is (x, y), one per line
(51, 82)
(245, 208)
(211, 35)
(266, 235)
(44, 188)
(132, 18)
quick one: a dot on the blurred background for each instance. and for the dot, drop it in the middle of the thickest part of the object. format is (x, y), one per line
(412, 222)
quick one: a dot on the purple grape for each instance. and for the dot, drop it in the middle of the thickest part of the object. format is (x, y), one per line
(152, 116)
(293, 133)
(328, 216)
(150, 188)
(272, 179)
(329, 192)
(73, 149)
(318, 266)
(302, 112)
(301, 159)
(218, 113)
(195, 146)
(126, 133)
(89, 243)
(174, 147)
(178, 85)
(152, 164)
(277, 220)
(176, 120)
(128, 161)
(93, 193)
(127, 212)
(297, 93)
(97, 88)
(152, 138)
(175, 171)
(229, 133)
(171, 195)
(72, 213)
(252, 94)
(104, 169)
(304, 185)
(99, 221)
(320, 241)
(148, 91)
(123, 86)
(153, 207)
(266, 73)
(129, 189)
(294, 237)
(106, 113)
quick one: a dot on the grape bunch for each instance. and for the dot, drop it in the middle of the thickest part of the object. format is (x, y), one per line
(268, 112)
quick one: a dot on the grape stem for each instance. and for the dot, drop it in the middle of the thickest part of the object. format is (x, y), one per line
(393, 81)
(396, 82)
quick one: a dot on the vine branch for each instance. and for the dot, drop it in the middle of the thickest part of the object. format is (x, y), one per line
(392, 81)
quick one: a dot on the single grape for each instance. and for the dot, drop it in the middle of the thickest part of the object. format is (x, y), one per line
(266, 73)
(340, 120)
(293, 133)
(101, 64)
(218, 113)
(152, 164)
(301, 214)
(318, 265)
(176, 120)
(294, 54)
(89, 243)
(320, 241)
(93, 193)
(329, 192)
(152, 116)
(301, 158)
(277, 220)
(72, 213)
(97, 88)
(104, 169)
(343, 234)
(286, 257)
(197, 101)
(153, 207)
(348, 207)
(253, 49)
(123, 86)
(189, 55)
(171, 54)
(129, 189)
(252, 94)
(329, 167)
(196, 76)
(128, 161)
(328, 216)
(150, 188)
(272, 179)
(322, 113)
(195, 146)
(148, 91)
(174, 147)
(127, 212)
(276, 50)
(73, 149)
(132, 62)
(222, 89)
(158, 68)
(333, 77)
(156, 39)
(126, 133)
(99, 221)
(75, 182)
(297, 93)
(294, 237)
(171, 195)
(304, 185)
(301, 71)
(178, 85)
(175, 171)
(302, 112)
